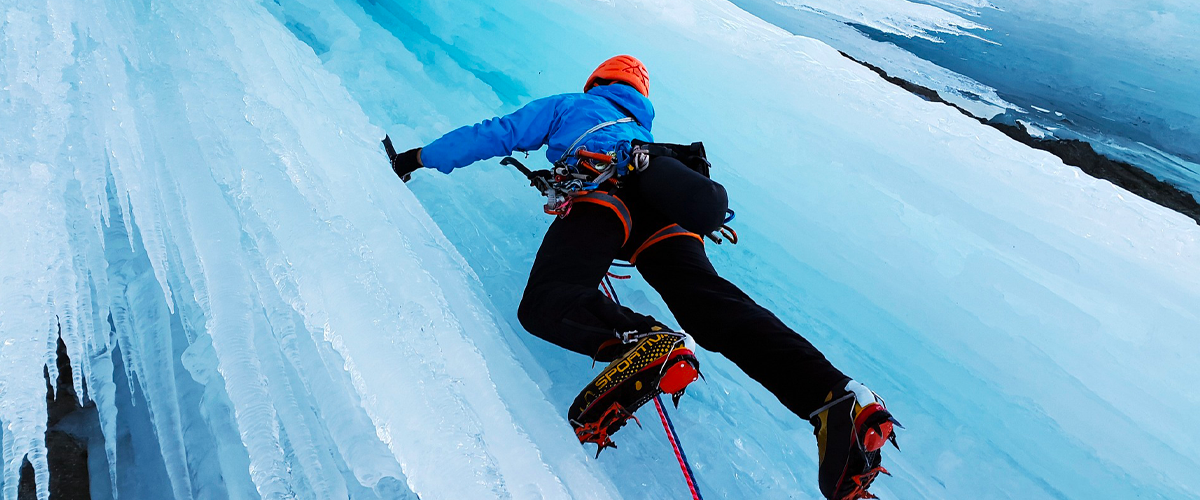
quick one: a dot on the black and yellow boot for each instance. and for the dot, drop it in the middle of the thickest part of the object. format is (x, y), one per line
(851, 428)
(659, 361)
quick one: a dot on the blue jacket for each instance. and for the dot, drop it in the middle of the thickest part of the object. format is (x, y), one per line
(556, 120)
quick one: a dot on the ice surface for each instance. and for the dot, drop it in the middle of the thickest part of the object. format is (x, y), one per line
(290, 324)
(841, 33)
(1120, 74)
(260, 309)
(898, 17)
(1126, 68)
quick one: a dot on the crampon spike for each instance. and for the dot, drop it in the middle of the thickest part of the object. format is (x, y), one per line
(593, 433)
(598, 432)
(602, 446)
(862, 482)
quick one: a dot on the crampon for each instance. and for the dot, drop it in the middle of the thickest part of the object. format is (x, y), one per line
(851, 429)
(598, 432)
(860, 483)
(660, 362)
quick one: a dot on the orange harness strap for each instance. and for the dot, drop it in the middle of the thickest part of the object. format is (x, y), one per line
(610, 201)
(662, 234)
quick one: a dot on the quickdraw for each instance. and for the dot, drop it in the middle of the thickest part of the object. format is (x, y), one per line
(724, 232)
(564, 181)
(594, 171)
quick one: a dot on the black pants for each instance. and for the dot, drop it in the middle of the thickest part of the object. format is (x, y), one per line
(563, 305)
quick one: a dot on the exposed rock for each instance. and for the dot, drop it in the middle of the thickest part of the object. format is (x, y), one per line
(67, 454)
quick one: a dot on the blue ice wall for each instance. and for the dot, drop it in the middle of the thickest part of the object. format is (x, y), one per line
(1124, 68)
(198, 190)
(952, 355)
(1120, 75)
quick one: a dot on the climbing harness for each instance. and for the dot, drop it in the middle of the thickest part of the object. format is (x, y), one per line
(566, 180)
(691, 155)
(662, 234)
(592, 174)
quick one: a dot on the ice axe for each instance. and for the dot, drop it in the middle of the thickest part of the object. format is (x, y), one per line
(539, 179)
(391, 152)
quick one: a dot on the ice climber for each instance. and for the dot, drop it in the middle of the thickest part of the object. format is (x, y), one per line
(620, 196)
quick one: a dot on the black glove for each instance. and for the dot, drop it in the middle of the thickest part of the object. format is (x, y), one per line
(403, 164)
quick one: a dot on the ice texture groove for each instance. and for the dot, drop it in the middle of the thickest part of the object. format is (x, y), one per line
(1014, 253)
(194, 195)
(228, 191)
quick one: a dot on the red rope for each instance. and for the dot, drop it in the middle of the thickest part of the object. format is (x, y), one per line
(683, 464)
(607, 293)
(611, 292)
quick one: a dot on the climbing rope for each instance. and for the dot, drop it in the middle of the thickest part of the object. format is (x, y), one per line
(669, 427)
(673, 437)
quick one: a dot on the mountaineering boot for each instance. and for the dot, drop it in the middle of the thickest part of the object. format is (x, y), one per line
(659, 361)
(851, 427)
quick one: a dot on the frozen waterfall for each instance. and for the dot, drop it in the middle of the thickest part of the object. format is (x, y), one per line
(193, 194)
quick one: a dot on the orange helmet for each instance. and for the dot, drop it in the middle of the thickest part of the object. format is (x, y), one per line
(626, 69)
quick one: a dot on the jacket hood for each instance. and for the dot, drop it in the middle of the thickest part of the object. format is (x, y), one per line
(629, 99)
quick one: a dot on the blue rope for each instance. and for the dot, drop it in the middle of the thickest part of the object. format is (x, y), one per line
(611, 290)
(729, 217)
(679, 446)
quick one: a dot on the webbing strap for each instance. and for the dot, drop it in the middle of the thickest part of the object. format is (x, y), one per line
(662, 234)
(571, 149)
(610, 201)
